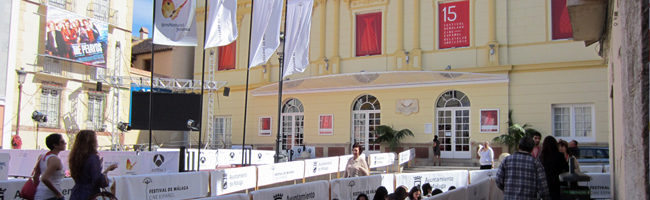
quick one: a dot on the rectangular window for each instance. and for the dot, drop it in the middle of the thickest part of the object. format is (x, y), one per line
(573, 121)
(561, 24)
(326, 126)
(50, 104)
(227, 56)
(368, 34)
(147, 64)
(222, 132)
(265, 126)
(95, 112)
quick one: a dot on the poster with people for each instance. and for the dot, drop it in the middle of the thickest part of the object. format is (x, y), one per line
(74, 37)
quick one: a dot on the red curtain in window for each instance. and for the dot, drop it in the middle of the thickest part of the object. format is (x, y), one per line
(368, 34)
(561, 21)
(227, 56)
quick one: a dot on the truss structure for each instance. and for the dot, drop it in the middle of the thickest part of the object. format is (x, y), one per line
(164, 83)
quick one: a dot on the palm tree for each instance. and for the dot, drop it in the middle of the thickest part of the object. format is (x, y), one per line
(515, 133)
(389, 135)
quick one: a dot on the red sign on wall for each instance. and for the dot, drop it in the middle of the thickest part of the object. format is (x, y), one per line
(453, 24)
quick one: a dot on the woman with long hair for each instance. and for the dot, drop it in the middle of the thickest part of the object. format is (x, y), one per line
(52, 169)
(357, 165)
(554, 164)
(85, 166)
(415, 193)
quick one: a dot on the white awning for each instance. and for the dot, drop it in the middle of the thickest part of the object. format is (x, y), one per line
(378, 80)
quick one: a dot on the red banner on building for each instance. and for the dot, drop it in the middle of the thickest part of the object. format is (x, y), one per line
(453, 24)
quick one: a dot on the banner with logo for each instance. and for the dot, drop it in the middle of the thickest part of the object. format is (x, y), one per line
(128, 163)
(262, 157)
(162, 186)
(350, 188)
(228, 197)
(280, 172)
(479, 175)
(74, 37)
(301, 152)
(298, 22)
(4, 165)
(208, 159)
(343, 161)
(229, 156)
(222, 23)
(479, 190)
(380, 159)
(453, 24)
(320, 166)
(459, 193)
(10, 189)
(599, 185)
(26, 159)
(406, 156)
(175, 23)
(158, 162)
(313, 190)
(231, 180)
(441, 179)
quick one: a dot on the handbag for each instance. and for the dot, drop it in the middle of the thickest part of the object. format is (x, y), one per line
(29, 188)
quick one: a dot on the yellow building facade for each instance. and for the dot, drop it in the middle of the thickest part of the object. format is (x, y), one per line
(73, 93)
(511, 62)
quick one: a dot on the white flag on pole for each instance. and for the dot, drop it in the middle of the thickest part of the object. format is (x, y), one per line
(222, 23)
(265, 36)
(297, 36)
(175, 22)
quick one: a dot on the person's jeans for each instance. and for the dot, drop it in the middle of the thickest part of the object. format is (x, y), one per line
(486, 166)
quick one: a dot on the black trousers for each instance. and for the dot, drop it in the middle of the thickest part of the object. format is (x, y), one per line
(486, 166)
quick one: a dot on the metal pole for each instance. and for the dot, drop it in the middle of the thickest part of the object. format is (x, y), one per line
(205, 22)
(152, 67)
(248, 71)
(280, 83)
(20, 94)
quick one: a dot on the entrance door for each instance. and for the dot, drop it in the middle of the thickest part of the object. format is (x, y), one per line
(452, 115)
(366, 116)
(293, 123)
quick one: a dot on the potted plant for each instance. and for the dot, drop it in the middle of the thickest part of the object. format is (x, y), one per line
(391, 136)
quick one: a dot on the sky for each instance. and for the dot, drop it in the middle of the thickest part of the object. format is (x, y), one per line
(142, 16)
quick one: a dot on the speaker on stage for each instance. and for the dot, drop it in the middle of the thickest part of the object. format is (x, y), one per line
(226, 91)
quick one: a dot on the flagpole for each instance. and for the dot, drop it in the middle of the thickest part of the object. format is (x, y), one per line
(152, 67)
(280, 83)
(205, 30)
(248, 70)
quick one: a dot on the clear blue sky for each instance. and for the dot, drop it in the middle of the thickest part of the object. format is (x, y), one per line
(142, 16)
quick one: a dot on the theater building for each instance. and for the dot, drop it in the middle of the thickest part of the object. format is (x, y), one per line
(448, 68)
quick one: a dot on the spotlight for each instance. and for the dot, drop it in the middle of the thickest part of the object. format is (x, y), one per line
(39, 117)
(192, 125)
(123, 126)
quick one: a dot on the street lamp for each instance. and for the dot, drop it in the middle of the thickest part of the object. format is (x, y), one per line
(38, 118)
(21, 79)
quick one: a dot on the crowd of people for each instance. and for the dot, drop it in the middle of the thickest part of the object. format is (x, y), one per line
(402, 193)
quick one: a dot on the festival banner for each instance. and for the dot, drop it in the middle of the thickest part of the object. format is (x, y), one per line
(599, 185)
(380, 159)
(307, 191)
(280, 172)
(77, 38)
(229, 156)
(298, 28)
(208, 159)
(320, 166)
(222, 23)
(26, 159)
(262, 157)
(265, 36)
(128, 162)
(441, 180)
(478, 175)
(458, 193)
(350, 188)
(10, 189)
(175, 23)
(231, 180)
(453, 24)
(162, 186)
(228, 197)
(157, 162)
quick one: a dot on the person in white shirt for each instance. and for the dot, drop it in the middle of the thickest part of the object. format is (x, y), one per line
(486, 154)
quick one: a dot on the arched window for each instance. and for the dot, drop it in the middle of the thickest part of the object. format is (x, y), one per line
(452, 117)
(293, 120)
(366, 115)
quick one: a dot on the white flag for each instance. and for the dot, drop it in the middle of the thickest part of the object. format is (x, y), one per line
(296, 56)
(265, 36)
(175, 24)
(222, 23)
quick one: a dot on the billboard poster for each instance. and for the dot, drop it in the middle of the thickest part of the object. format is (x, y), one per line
(74, 37)
(453, 24)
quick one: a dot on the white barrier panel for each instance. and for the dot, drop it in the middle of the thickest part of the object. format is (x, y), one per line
(10, 189)
(350, 188)
(599, 185)
(406, 156)
(479, 175)
(262, 157)
(458, 193)
(320, 166)
(228, 197)
(591, 168)
(479, 190)
(229, 156)
(313, 190)
(26, 159)
(158, 162)
(280, 172)
(495, 192)
(162, 186)
(128, 162)
(441, 179)
(381, 159)
(208, 159)
(232, 180)
(343, 161)
(296, 152)
(4, 165)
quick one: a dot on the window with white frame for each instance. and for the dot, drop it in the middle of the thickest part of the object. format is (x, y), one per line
(95, 111)
(50, 104)
(222, 132)
(573, 121)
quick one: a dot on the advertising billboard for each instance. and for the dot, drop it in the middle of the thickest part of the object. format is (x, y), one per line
(73, 37)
